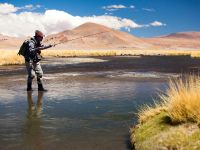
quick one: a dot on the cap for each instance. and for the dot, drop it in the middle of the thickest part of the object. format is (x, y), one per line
(39, 33)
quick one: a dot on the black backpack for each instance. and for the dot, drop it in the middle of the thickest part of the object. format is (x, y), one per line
(24, 48)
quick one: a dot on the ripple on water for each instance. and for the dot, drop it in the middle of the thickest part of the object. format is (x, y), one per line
(75, 109)
(156, 75)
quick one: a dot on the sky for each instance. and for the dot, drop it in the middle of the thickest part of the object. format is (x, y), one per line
(142, 18)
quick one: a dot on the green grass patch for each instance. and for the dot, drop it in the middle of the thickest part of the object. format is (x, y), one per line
(158, 133)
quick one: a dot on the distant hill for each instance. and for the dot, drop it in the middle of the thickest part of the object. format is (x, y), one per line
(181, 40)
(185, 35)
(7, 42)
(107, 38)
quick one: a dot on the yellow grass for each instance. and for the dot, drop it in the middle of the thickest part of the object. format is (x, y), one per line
(77, 53)
(181, 101)
(8, 57)
(60, 53)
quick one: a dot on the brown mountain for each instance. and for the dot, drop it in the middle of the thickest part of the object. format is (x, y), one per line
(181, 40)
(101, 37)
(185, 35)
(107, 38)
(7, 42)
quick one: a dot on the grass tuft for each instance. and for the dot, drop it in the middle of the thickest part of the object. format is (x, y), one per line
(181, 101)
(174, 122)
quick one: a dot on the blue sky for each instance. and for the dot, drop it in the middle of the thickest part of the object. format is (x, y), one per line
(173, 15)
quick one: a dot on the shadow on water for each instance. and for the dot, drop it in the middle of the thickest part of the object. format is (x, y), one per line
(32, 130)
(170, 64)
(32, 108)
(128, 143)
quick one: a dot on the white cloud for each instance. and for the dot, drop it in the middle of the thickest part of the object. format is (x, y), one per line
(6, 8)
(131, 6)
(148, 9)
(38, 6)
(157, 23)
(113, 7)
(28, 6)
(54, 21)
(25, 23)
(116, 7)
(108, 13)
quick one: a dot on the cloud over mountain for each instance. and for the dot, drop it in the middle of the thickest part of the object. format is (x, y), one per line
(18, 22)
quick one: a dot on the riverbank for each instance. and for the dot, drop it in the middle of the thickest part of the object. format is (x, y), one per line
(165, 64)
(10, 57)
(173, 123)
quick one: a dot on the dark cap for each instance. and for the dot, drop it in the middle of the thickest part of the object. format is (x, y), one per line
(39, 33)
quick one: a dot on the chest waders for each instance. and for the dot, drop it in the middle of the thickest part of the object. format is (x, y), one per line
(34, 68)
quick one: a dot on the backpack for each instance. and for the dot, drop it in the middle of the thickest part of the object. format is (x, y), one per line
(24, 47)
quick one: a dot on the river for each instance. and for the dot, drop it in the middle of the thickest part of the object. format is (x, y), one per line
(88, 107)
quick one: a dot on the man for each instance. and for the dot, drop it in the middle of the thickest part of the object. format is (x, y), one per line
(32, 60)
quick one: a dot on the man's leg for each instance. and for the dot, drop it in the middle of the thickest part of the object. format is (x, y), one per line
(39, 73)
(31, 75)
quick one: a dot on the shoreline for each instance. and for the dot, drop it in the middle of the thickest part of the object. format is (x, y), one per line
(171, 64)
(10, 57)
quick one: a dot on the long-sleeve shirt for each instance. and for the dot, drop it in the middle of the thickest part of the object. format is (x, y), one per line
(34, 50)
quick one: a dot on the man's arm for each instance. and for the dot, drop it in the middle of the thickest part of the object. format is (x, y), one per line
(33, 49)
(43, 47)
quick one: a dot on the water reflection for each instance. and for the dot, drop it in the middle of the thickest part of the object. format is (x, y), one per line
(33, 137)
(34, 110)
(96, 111)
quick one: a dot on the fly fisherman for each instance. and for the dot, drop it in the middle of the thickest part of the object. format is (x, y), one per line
(32, 60)
(31, 50)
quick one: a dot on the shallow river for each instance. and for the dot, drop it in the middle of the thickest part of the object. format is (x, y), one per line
(81, 110)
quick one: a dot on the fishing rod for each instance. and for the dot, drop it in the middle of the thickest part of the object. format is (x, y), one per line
(80, 37)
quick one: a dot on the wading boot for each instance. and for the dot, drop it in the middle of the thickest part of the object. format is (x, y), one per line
(41, 88)
(29, 87)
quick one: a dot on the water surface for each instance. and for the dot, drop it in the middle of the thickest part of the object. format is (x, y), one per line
(90, 110)
(90, 105)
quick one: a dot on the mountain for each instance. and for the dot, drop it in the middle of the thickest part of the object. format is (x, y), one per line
(101, 37)
(7, 42)
(95, 36)
(181, 40)
(184, 35)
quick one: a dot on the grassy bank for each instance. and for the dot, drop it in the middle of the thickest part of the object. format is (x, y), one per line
(174, 123)
(74, 53)
(9, 57)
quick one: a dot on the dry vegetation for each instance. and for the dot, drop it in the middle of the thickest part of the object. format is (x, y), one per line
(74, 53)
(174, 122)
(181, 101)
(9, 57)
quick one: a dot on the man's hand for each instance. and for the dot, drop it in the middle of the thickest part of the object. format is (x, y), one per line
(52, 45)
(49, 46)
(44, 47)
(39, 51)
